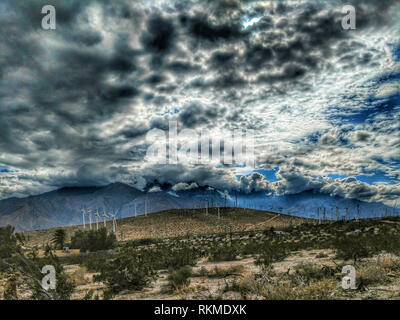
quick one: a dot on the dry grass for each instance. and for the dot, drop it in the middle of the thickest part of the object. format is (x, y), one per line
(177, 223)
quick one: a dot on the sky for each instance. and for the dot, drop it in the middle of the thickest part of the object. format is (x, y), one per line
(77, 103)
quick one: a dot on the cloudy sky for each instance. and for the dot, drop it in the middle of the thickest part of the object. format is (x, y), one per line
(77, 103)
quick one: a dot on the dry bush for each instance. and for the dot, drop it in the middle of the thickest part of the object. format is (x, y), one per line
(388, 261)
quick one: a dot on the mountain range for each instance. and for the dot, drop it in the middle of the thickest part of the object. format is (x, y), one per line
(63, 207)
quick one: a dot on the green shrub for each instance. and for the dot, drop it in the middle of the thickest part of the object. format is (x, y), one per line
(226, 252)
(8, 242)
(271, 253)
(93, 240)
(29, 267)
(95, 264)
(129, 271)
(175, 258)
(179, 278)
(352, 247)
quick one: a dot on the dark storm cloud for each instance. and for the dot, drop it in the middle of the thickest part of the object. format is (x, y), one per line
(299, 44)
(201, 29)
(160, 35)
(203, 174)
(80, 98)
(194, 114)
(62, 91)
(287, 48)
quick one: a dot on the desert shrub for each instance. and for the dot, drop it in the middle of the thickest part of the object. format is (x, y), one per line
(226, 252)
(202, 272)
(377, 271)
(306, 273)
(143, 242)
(64, 287)
(28, 276)
(240, 286)
(135, 267)
(174, 255)
(129, 271)
(217, 272)
(318, 290)
(179, 278)
(388, 261)
(175, 258)
(95, 264)
(271, 253)
(279, 291)
(93, 240)
(10, 289)
(252, 247)
(8, 241)
(226, 272)
(371, 274)
(351, 247)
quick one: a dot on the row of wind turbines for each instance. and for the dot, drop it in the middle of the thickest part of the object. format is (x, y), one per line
(88, 213)
(113, 216)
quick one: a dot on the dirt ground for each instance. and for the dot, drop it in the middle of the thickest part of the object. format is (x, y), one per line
(204, 287)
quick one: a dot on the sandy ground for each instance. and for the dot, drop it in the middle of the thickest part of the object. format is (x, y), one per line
(200, 287)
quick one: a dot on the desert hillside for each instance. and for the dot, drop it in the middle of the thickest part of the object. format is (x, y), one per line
(174, 223)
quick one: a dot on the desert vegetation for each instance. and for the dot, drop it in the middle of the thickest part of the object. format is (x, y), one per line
(301, 260)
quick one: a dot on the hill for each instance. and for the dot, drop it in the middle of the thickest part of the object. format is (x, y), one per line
(180, 222)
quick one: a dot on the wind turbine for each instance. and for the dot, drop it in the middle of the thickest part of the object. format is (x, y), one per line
(97, 219)
(114, 221)
(90, 218)
(104, 218)
(83, 218)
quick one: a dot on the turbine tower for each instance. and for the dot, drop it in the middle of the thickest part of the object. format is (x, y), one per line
(90, 218)
(104, 218)
(114, 221)
(83, 218)
(97, 219)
